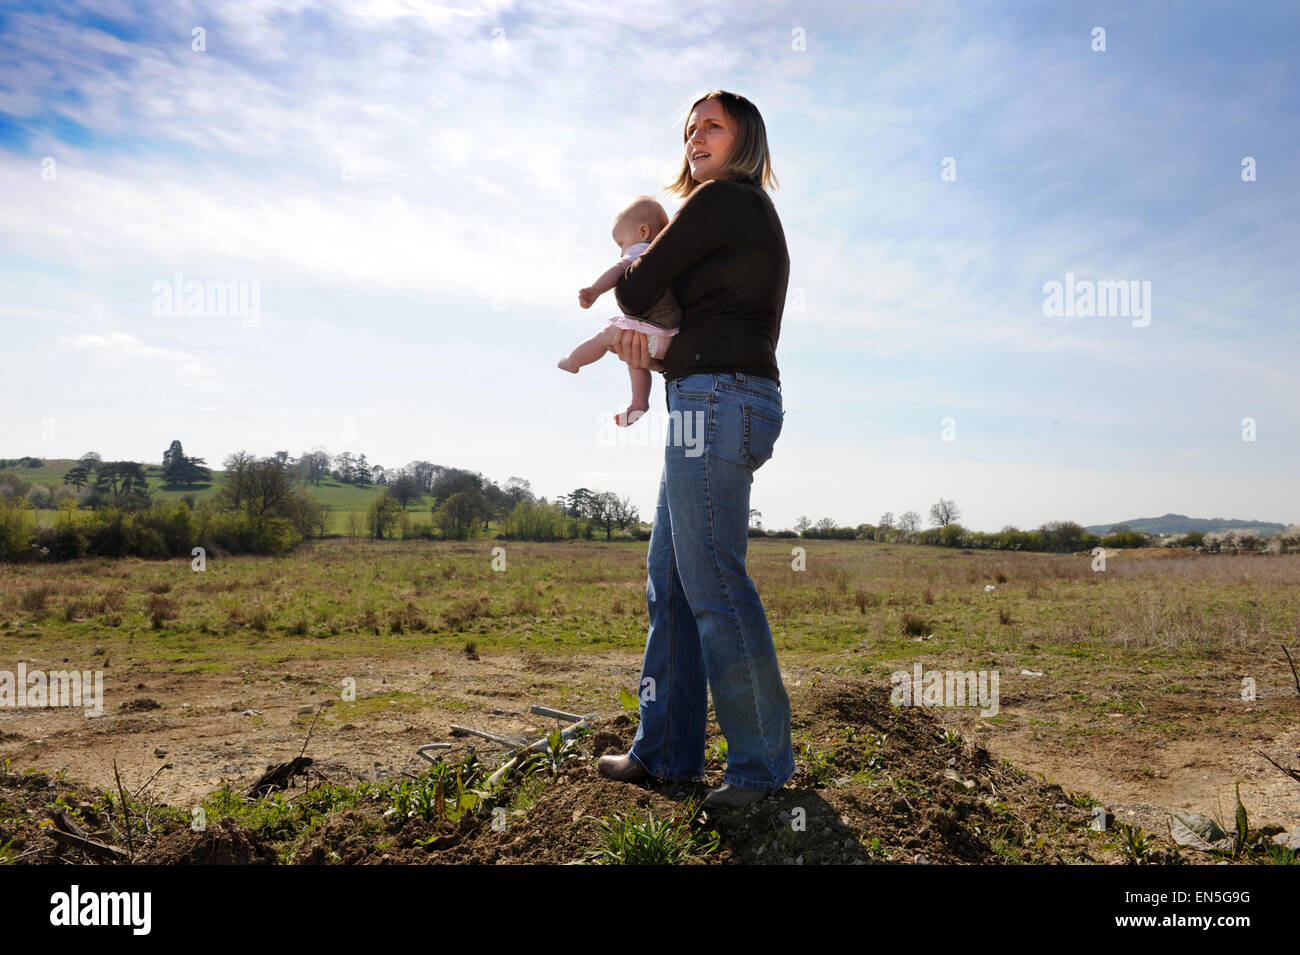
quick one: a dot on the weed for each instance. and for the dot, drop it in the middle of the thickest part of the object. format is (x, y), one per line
(631, 705)
(1134, 844)
(558, 752)
(1082, 799)
(913, 625)
(820, 766)
(638, 839)
(162, 609)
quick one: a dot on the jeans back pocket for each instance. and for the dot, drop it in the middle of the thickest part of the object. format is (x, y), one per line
(762, 428)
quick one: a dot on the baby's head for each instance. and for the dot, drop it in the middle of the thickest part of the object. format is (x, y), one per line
(640, 221)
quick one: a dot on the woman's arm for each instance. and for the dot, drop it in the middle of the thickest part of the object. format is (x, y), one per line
(699, 227)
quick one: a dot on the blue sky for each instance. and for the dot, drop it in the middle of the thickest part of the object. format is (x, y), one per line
(418, 191)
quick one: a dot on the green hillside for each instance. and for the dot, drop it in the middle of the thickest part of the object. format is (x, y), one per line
(338, 498)
(1182, 524)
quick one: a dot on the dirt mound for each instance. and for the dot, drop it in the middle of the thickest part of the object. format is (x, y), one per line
(225, 843)
(880, 783)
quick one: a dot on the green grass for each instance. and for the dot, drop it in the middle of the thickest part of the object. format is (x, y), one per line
(643, 839)
(1102, 639)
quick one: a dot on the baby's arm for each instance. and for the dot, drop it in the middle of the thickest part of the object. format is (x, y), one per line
(608, 279)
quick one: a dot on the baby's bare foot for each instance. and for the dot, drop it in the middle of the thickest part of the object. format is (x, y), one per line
(630, 416)
(566, 365)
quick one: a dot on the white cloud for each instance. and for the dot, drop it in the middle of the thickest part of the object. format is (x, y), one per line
(122, 351)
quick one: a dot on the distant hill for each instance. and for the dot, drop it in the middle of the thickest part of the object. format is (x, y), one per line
(1182, 524)
(334, 495)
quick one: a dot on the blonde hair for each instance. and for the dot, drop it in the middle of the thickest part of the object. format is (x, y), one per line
(750, 161)
(644, 209)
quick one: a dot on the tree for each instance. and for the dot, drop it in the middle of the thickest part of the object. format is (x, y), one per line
(459, 514)
(517, 489)
(260, 488)
(125, 481)
(826, 524)
(180, 470)
(886, 521)
(450, 481)
(423, 472)
(314, 465)
(106, 478)
(802, 524)
(132, 476)
(603, 506)
(405, 490)
(192, 471)
(535, 521)
(910, 522)
(755, 518)
(90, 460)
(344, 467)
(499, 504)
(11, 486)
(78, 476)
(579, 503)
(943, 513)
(608, 510)
(1062, 535)
(173, 453)
(384, 516)
(625, 513)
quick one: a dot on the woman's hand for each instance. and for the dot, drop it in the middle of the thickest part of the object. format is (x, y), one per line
(632, 347)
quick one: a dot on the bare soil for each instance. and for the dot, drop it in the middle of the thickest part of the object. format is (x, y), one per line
(889, 787)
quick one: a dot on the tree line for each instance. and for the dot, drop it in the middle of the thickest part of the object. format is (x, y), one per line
(264, 505)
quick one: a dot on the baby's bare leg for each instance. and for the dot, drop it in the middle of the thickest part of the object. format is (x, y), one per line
(593, 349)
(641, 381)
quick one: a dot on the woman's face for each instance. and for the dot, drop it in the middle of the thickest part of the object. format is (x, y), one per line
(710, 132)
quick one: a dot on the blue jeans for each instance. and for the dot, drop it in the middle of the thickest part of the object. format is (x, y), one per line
(708, 629)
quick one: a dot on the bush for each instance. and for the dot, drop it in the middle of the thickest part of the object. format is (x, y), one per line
(1287, 541)
(384, 516)
(17, 522)
(68, 541)
(532, 521)
(830, 533)
(1125, 539)
(1234, 542)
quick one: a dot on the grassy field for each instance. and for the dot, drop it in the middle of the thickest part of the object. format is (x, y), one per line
(1125, 683)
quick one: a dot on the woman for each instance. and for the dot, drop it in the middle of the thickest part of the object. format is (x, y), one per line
(724, 255)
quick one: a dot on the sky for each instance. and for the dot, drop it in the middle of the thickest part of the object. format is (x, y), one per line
(406, 196)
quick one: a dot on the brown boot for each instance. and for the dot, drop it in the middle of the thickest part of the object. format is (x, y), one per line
(624, 768)
(728, 796)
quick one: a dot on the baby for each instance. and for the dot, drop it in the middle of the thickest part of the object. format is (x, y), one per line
(634, 228)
